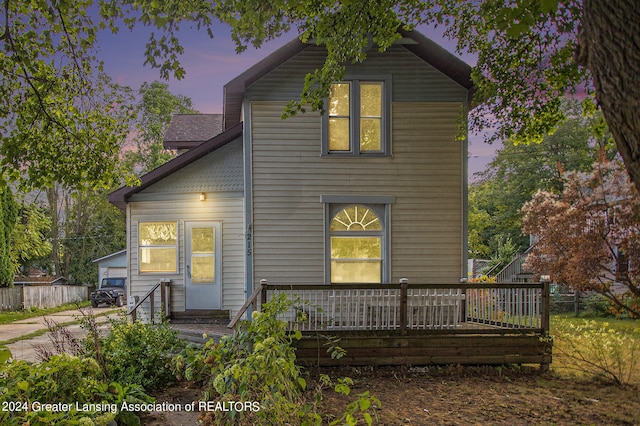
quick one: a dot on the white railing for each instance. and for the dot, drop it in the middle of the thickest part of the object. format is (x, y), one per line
(506, 306)
(464, 307)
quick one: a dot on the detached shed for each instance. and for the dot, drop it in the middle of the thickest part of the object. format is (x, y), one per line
(112, 265)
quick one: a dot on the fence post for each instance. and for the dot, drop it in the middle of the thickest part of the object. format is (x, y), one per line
(404, 282)
(263, 295)
(576, 303)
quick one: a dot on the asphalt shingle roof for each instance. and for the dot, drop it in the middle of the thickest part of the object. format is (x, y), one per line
(186, 131)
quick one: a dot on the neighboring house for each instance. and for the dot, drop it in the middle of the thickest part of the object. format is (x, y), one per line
(113, 265)
(39, 281)
(373, 190)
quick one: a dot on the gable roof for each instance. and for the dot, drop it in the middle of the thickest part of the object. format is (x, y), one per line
(421, 46)
(189, 129)
(186, 131)
(120, 196)
(109, 256)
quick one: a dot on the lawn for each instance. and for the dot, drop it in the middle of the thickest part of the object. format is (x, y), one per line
(7, 317)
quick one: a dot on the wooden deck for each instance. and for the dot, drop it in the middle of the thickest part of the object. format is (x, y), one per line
(418, 324)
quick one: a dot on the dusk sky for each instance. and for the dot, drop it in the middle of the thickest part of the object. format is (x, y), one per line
(210, 64)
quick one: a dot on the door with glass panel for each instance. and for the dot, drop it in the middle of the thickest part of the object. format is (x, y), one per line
(202, 265)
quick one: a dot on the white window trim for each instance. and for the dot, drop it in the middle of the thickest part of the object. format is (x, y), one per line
(354, 122)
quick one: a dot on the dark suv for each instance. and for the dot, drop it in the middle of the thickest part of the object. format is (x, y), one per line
(111, 291)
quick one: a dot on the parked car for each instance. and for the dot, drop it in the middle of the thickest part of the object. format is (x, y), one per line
(111, 291)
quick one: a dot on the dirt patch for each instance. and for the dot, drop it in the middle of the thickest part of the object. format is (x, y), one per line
(458, 396)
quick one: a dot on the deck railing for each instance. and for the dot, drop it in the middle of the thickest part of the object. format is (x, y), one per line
(404, 307)
(164, 307)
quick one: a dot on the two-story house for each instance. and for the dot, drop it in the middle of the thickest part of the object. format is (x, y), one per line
(371, 190)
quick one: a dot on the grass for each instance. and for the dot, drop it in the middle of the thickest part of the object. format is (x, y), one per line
(63, 324)
(7, 317)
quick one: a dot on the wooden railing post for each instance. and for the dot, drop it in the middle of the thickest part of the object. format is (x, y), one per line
(162, 298)
(263, 294)
(544, 321)
(151, 305)
(404, 283)
(165, 297)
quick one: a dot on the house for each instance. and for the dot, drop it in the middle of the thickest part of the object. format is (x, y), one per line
(112, 265)
(373, 190)
(359, 213)
(43, 280)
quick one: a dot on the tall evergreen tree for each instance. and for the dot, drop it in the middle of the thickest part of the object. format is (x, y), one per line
(8, 217)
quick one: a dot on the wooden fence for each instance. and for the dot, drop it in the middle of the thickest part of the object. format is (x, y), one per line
(26, 297)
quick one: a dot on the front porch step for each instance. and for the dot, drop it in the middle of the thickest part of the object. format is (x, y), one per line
(199, 333)
(200, 316)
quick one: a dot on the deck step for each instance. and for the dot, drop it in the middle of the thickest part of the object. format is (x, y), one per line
(199, 333)
(199, 316)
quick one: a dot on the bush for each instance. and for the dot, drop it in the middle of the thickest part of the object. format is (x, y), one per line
(257, 367)
(137, 353)
(598, 350)
(63, 379)
(596, 305)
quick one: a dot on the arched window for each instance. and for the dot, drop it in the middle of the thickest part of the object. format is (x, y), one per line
(356, 238)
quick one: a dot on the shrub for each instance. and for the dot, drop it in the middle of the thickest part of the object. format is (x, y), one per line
(598, 350)
(63, 379)
(257, 366)
(137, 353)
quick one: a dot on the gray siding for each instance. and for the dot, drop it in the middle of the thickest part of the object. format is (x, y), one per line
(228, 211)
(412, 78)
(425, 175)
(176, 198)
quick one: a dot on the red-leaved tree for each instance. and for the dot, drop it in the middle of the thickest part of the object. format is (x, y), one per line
(588, 237)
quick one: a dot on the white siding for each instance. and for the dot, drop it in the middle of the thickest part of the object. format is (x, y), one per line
(425, 175)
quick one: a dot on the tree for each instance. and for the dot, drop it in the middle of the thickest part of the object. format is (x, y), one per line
(530, 54)
(61, 120)
(589, 236)
(155, 109)
(519, 170)
(8, 216)
(30, 245)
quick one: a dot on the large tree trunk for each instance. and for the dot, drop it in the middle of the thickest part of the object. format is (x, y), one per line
(609, 47)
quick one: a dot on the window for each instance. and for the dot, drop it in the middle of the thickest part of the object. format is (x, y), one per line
(158, 247)
(357, 119)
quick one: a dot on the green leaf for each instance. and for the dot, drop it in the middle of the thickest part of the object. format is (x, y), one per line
(5, 355)
(364, 403)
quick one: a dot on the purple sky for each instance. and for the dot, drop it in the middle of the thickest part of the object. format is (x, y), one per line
(210, 64)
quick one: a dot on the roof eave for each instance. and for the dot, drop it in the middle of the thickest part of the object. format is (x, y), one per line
(120, 197)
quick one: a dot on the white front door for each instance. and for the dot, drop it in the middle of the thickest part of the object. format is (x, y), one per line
(202, 265)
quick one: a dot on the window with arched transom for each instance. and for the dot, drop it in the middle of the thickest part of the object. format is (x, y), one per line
(357, 246)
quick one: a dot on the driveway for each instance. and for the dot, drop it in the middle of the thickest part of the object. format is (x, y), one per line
(25, 349)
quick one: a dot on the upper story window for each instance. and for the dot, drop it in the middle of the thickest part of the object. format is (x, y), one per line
(158, 244)
(357, 119)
